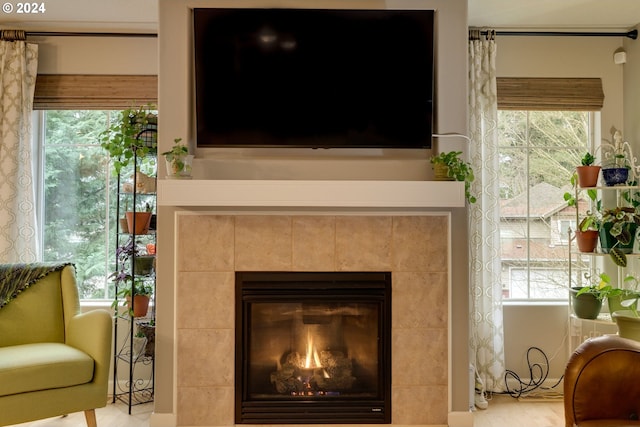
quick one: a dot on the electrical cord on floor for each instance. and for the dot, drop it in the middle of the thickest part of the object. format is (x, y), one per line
(538, 373)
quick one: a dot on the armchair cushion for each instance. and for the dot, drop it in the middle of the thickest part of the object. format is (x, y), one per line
(42, 366)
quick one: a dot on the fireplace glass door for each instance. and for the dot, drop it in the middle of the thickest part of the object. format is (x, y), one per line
(313, 348)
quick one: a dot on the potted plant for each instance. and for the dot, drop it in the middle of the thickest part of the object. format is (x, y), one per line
(587, 232)
(588, 172)
(135, 297)
(617, 232)
(627, 320)
(138, 221)
(616, 171)
(586, 301)
(139, 341)
(627, 298)
(450, 167)
(123, 139)
(143, 263)
(129, 286)
(178, 160)
(148, 329)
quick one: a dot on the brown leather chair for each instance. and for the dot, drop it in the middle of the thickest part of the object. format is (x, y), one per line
(602, 383)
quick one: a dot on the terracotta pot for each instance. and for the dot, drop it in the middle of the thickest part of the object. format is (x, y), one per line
(142, 220)
(140, 305)
(587, 240)
(588, 175)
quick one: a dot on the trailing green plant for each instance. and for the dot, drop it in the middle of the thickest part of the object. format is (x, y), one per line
(591, 219)
(600, 287)
(457, 169)
(570, 197)
(123, 141)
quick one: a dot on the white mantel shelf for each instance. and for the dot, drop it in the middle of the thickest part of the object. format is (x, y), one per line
(311, 194)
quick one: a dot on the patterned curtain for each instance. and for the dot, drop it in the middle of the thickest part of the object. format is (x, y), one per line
(18, 69)
(487, 336)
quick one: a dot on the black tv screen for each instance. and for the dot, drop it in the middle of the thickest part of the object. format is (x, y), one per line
(313, 78)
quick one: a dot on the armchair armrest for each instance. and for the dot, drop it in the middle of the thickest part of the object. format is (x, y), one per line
(600, 381)
(92, 332)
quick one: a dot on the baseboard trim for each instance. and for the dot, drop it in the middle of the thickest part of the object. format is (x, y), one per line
(163, 420)
(460, 419)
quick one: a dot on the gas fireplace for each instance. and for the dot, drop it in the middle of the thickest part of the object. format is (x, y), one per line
(313, 347)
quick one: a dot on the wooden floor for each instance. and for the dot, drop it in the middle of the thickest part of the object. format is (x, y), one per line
(503, 411)
(113, 415)
(506, 411)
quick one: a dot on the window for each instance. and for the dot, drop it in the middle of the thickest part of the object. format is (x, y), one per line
(76, 192)
(538, 153)
(77, 195)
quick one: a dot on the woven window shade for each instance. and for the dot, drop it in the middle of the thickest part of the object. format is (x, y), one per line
(94, 92)
(569, 94)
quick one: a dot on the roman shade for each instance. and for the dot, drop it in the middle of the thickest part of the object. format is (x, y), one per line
(567, 94)
(98, 92)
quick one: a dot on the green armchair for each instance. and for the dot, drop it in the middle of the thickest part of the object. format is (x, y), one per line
(53, 359)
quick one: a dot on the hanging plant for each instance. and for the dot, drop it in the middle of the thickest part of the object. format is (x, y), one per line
(124, 139)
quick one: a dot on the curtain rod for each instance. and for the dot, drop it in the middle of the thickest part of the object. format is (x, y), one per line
(633, 34)
(85, 34)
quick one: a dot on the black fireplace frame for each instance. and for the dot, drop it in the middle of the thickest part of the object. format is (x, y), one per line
(313, 287)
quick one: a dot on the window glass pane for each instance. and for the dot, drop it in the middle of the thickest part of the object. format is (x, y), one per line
(538, 154)
(78, 198)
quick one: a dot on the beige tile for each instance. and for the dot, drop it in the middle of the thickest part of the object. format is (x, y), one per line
(420, 243)
(419, 300)
(424, 405)
(263, 242)
(363, 243)
(205, 357)
(419, 357)
(314, 243)
(205, 300)
(205, 406)
(205, 243)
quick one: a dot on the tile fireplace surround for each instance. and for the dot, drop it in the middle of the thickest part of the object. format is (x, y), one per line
(211, 246)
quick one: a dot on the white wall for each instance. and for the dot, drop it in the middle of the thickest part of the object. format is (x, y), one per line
(632, 94)
(97, 55)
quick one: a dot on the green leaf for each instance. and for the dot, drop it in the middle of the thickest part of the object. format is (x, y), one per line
(618, 257)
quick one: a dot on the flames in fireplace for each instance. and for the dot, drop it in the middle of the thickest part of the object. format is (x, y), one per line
(312, 359)
(315, 373)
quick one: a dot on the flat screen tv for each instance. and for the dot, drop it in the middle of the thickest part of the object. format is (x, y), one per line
(313, 78)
